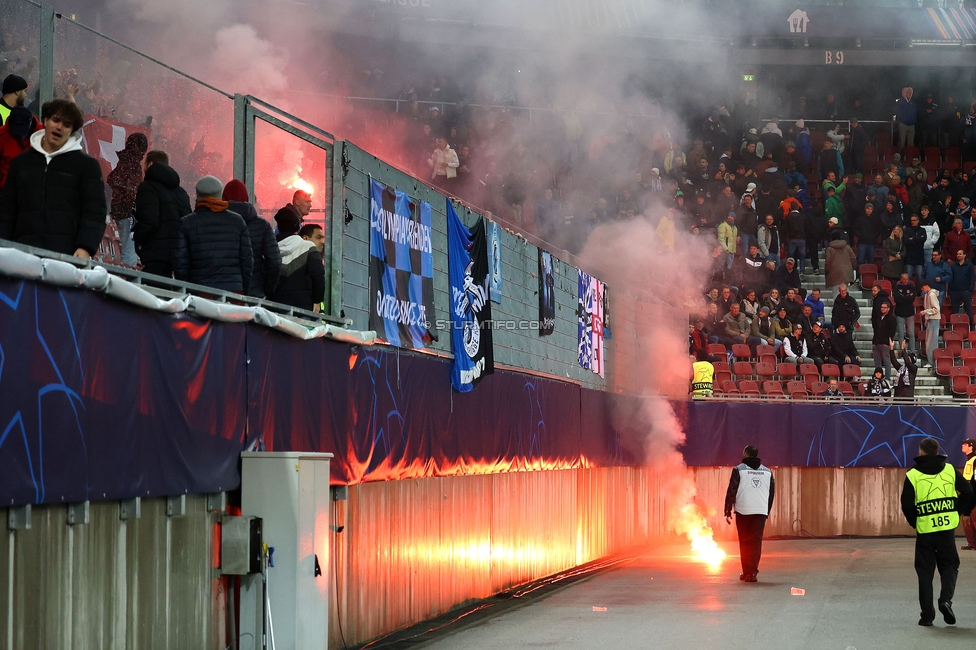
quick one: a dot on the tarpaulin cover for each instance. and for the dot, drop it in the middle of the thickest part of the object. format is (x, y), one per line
(100, 399)
(821, 435)
(103, 400)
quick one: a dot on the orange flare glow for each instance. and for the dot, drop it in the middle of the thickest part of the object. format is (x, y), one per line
(691, 523)
(301, 184)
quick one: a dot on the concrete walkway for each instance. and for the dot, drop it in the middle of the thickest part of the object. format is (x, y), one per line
(860, 594)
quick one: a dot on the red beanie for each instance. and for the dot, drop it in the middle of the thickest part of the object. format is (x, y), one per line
(235, 191)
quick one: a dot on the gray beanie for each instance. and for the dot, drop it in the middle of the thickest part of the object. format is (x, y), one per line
(209, 186)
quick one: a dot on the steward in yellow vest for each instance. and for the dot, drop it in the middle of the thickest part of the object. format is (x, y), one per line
(968, 448)
(933, 497)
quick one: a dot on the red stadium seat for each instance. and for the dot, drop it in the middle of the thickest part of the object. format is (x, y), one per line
(953, 341)
(830, 370)
(766, 370)
(968, 356)
(952, 164)
(852, 371)
(742, 369)
(773, 388)
(932, 154)
(959, 379)
(884, 284)
(729, 388)
(846, 388)
(786, 370)
(971, 391)
(883, 138)
(717, 349)
(818, 387)
(972, 339)
(748, 387)
(943, 361)
(766, 353)
(931, 168)
(959, 323)
(722, 372)
(953, 153)
(910, 152)
(868, 274)
(796, 389)
(741, 351)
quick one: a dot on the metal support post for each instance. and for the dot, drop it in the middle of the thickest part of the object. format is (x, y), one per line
(45, 81)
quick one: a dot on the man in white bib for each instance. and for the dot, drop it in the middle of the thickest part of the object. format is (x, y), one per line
(750, 493)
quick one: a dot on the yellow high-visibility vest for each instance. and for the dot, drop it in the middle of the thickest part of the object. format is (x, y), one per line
(935, 500)
(701, 383)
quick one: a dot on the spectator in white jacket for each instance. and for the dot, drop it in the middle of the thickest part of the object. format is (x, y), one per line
(443, 163)
(932, 317)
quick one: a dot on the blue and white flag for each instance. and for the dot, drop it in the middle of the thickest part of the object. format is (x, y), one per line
(471, 340)
(495, 260)
(401, 268)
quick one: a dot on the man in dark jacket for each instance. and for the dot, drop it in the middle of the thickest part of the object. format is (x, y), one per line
(291, 218)
(786, 277)
(904, 294)
(212, 246)
(969, 448)
(842, 348)
(961, 285)
(818, 345)
(796, 237)
(844, 310)
(932, 499)
(884, 333)
(160, 204)
(750, 493)
(267, 256)
(54, 197)
(302, 281)
(15, 138)
(867, 229)
(747, 221)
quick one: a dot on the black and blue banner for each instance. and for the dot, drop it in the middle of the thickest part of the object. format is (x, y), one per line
(495, 260)
(471, 340)
(547, 294)
(401, 267)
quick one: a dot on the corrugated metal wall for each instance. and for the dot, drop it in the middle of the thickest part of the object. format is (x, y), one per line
(408, 550)
(411, 550)
(112, 584)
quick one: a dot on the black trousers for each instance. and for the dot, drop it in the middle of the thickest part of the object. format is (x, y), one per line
(936, 550)
(750, 529)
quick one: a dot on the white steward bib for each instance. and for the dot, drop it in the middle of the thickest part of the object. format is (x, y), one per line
(753, 495)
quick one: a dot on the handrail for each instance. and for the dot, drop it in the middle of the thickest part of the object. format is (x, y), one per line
(142, 54)
(170, 287)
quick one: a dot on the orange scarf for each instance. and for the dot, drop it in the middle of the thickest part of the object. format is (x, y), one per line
(212, 204)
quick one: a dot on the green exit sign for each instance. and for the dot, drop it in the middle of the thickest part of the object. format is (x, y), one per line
(748, 77)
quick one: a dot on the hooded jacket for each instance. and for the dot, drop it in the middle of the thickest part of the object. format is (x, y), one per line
(839, 263)
(54, 201)
(160, 204)
(302, 280)
(932, 466)
(264, 248)
(127, 175)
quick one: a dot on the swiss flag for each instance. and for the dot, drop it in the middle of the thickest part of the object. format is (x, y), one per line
(103, 138)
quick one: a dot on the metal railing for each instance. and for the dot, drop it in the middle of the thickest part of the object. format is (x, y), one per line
(918, 400)
(166, 288)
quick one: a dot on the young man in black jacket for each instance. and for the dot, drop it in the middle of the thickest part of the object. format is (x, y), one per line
(845, 310)
(267, 256)
(160, 204)
(932, 499)
(54, 197)
(882, 341)
(302, 281)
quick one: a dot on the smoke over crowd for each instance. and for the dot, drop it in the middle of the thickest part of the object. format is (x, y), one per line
(558, 130)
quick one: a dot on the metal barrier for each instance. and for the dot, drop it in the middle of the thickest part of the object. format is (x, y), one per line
(921, 400)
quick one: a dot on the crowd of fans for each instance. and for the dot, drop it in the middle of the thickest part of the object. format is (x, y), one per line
(53, 197)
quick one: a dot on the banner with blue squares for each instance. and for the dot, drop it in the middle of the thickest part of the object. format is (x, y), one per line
(401, 268)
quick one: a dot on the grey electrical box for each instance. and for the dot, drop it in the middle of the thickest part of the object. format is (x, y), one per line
(241, 541)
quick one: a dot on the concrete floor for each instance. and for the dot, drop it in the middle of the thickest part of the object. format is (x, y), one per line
(860, 594)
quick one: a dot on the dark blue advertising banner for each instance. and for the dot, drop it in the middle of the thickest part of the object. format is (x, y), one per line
(401, 267)
(821, 435)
